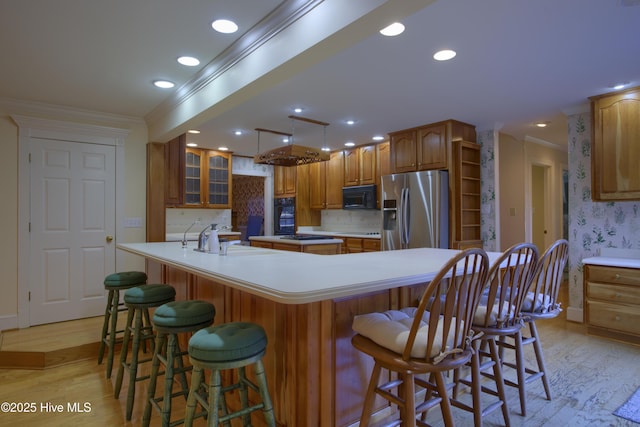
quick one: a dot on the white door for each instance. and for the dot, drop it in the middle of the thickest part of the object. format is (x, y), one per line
(72, 221)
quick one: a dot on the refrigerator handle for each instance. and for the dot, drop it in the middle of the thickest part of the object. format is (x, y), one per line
(406, 217)
(401, 219)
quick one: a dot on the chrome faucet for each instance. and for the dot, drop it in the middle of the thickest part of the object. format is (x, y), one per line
(203, 238)
(184, 237)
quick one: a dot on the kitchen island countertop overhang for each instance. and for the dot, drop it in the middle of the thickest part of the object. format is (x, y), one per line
(300, 278)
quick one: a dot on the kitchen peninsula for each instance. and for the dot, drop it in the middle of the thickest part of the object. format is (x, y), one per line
(306, 304)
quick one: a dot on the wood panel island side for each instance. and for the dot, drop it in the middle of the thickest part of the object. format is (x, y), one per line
(306, 303)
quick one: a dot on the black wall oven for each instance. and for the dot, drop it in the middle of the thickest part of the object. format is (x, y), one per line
(284, 216)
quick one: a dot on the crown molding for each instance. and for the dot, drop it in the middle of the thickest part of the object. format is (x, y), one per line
(33, 108)
(279, 19)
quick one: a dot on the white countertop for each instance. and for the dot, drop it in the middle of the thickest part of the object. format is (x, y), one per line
(193, 237)
(300, 278)
(338, 234)
(281, 239)
(615, 257)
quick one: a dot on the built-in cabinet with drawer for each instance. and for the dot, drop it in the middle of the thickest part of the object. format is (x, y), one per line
(612, 301)
(360, 166)
(451, 146)
(311, 248)
(354, 245)
(615, 148)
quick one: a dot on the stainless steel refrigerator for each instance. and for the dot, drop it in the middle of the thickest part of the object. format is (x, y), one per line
(415, 210)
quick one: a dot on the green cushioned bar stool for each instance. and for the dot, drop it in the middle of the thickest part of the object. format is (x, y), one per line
(138, 301)
(169, 320)
(228, 346)
(115, 283)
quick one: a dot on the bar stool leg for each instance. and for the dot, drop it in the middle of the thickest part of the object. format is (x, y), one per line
(155, 367)
(196, 381)
(105, 327)
(261, 379)
(215, 389)
(123, 353)
(166, 402)
(133, 367)
(114, 325)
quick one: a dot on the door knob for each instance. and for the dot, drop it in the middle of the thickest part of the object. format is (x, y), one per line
(109, 239)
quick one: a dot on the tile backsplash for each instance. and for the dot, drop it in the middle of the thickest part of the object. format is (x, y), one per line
(351, 220)
(178, 220)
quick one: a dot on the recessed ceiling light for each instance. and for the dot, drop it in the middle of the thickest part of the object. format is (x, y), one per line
(164, 84)
(223, 148)
(189, 61)
(350, 122)
(349, 144)
(285, 140)
(619, 86)
(444, 55)
(193, 131)
(238, 132)
(378, 138)
(392, 30)
(191, 144)
(224, 26)
(326, 149)
(542, 124)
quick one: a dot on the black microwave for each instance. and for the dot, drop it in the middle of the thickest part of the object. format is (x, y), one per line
(359, 197)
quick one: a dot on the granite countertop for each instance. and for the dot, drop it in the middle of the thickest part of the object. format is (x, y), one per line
(299, 278)
(614, 257)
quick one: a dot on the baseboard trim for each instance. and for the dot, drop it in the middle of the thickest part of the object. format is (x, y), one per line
(8, 322)
(47, 359)
(575, 315)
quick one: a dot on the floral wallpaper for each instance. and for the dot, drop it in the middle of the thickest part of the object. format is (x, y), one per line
(592, 225)
(488, 225)
(248, 197)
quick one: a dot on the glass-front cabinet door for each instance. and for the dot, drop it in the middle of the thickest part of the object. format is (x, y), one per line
(219, 182)
(193, 178)
(207, 178)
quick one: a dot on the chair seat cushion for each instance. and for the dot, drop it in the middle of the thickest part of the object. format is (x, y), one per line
(149, 294)
(480, 315)
(391, 330)
(228, 342)
(126, 278)
(534, 303)
(184, 313)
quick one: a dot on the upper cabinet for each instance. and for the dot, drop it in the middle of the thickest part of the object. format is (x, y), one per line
(174, 158)
(284, 181)
(451, 146)
(427, 147)
(207, 179)
(326, 182)
(360, 166)
(615, 150)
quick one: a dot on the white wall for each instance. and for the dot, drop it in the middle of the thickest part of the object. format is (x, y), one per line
(132, 201)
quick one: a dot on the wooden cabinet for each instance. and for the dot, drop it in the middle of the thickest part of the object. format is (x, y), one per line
(448, 145)
(383, 167)
(354, 245)
(612, 302)
(207, 178)
(427, 147)
(360, 166)
(174, 158)
(615, 149)
(284, 181)
(312, 248)
(466, 201)
(326, 182)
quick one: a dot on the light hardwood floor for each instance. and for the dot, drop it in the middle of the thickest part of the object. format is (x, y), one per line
(590, 378)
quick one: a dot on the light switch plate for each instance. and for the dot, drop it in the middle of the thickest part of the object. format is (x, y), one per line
(133, 222)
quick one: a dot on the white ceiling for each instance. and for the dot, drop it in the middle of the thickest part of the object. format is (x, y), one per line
(518, 62)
